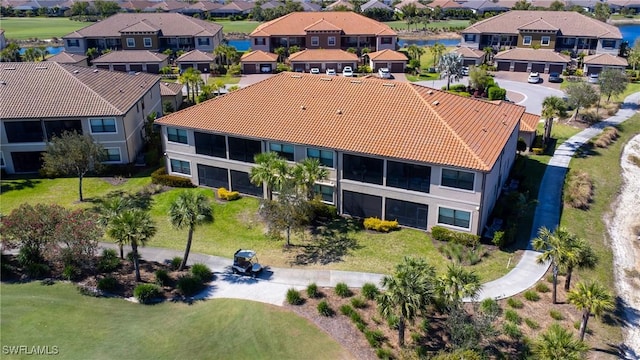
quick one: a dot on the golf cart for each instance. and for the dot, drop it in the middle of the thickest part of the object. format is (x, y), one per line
(245, 262)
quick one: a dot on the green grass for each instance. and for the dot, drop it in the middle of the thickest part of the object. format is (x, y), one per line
(227, 79)
(39, 27)
(241, 26)
(99, 328)
(631, 88)
(402, 25)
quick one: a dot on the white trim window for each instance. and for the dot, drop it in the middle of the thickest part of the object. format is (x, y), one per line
(457, 179)
(331, 41)
(454, 217)
(131, 42)
(103, 126)
(113, 155)
(147, 42)
(545, 41)
(177, 135)
(315, 41)
(325, 191)
(180, 166)
(526, 40)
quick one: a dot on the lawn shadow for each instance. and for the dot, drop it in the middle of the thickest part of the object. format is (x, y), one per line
(18, 184)
(623, 315)
(141, 199)
(620, 351)
(330, 242)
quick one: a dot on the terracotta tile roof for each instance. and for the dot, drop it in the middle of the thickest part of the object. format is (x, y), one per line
(469, 52)
(526, 54)
(67, 58)
(387, 55)
(259, 56)
(170, 89)
(171, 24)
(322, 25)
(323, 55)
(605, 59)
(63, 90)
(130, 56)
(416, 123)
(570, 23)
(529, 122)
(195, 56)
(294, 24)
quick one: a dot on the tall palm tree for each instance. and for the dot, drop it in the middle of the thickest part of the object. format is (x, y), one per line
(415, 51)
(189, 210)
(458, 283)
(554, 249)
(109, 208)
(591, 298)
(30, 54)
(581, 256)
(488, 54)
(280, 51)
(552, 106)
(437, 50)
(42, 52)
(558, 344)
(408, 292)
(133, 227)
(307, 173)
(271, 170)
(451, 65)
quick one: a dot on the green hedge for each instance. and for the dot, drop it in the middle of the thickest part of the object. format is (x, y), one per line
(161, 177)
(441, 233)
(376, 224)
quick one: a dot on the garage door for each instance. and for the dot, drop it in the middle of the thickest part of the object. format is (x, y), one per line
(120, 67)
(153, 68)
(520, 67)
(594, 69)
(331, 66)
(135, 67)
(315, 65)
(184, 67)
(537, 68)
(378, 66)
(204, 68)
(555, 68)
(469, 62)
(503, 65)
(249, 68)
(397, 67)
(266, 68)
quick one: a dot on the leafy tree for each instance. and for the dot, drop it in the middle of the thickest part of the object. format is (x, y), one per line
(552, 106)
(558, 344)
(281, 52)
(408, 292)
(437, 50)
(307, 173)
(108, 208)
(409, 12)
(591, 298)
(290, 211)
(92, 53)
(602, 11)
(415, 51)
(581, 94)
(634, 55)
(554, 249)
(73, 154)
(11, 53)
(30, 54)
(106, 8)
(457, 283)
(612, 82)
(133, 227)
(294, 49)
(189, 210)
(191, 77)
(479, 78)
(75, 239)
(556, 6)
(80, 8)
(522, 5)
(451, 65)
(271, 170)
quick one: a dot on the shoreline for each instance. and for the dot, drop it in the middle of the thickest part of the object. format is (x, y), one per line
(623, 22)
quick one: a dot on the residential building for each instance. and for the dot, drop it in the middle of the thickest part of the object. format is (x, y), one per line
(132, 61)
(470, 56)
(197, 59)
(595, 64)
(258, 62)
(323, 30)
(233, 8)
(146, 31)
(336, 59)
(375, 4)
(64, 57)
(171, 93)
(395, 61)
(394, 150)
(43, 99)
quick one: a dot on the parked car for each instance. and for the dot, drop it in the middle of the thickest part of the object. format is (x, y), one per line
(555, 77)
(331, 72)
(315, 71)
(384, 73)
(533, 78)
(593, 78)
(465, 71)
(347, 71)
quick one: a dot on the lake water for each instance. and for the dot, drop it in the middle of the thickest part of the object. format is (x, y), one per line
(53, 50)
(630, 33)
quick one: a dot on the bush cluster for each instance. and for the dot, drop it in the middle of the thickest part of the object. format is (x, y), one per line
(161, 177)
(578, 190)
(202, 272)
(358, 303)
(378, 225)
(515, 303)
(325, 309)
(607, 137)
(556, 315)
(374, 337)
(321, 211)
(293, 297)
(225, 194)
(343, 290)
(512, 316)
(146, 293)
(189, 285)
(441, 233)
(109, 261)
(370, 291)
(313, 292)
(108, 284)
(162, 277)
(531, 295)
(512, 330)
(542, 287)
(497, 93)
(175, 263)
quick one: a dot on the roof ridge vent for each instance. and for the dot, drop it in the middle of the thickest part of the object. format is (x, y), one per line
(95, 70)
(296, 76)
(41, 68)
(436, 103)
(76, 71)
(356, 81)
(429, 91)
(389, 84)
(10, 68)
(326, 79)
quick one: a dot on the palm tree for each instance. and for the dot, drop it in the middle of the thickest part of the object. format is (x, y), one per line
(307, 173)
(42, 52)
(581, 256)
(134, 227)
(437, 50)
(415, 51)
(552, 106)
(591, 298)
(280, 51)
(30, 54)
(109, 208)
(451, 65)
(408, 292)
(554, 247)
(488, 54)
(458, 283)
(189, 209)
(558, 344)
(271, 170)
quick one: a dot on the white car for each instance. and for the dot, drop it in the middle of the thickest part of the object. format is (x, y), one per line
(533, 78)
(465, 71)
(315, 71)
(593, 78)
(331, 72)
(347, 71)
(384, 73)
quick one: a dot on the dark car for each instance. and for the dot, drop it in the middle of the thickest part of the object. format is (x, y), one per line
(555, 77)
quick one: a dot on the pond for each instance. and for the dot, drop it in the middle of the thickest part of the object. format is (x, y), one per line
(53, 50)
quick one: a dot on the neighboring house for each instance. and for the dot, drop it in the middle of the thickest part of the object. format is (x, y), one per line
(398, 7)
(197, 59)
(42, 99)
(305, 60)
(627, 4)
(527, 60)
(171, 93)
(3, 40)
(142, 31)
(395, 61)
(470, 56)
(340, 4)
(132, 60)
(480, 7)
(375, 4)
(323, 30)
(258, 62)
(204, 8)
(425, 157)
(169, 6)
(528, 128)
(444, 5)
(64, 57)
(595, 64)
(233, 8)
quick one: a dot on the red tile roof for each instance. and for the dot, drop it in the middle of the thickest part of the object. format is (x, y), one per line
(259, 56)
(387, 55)
(130, 56)
(605, 59)
(529, 122)
(323, 55)
(527, 54)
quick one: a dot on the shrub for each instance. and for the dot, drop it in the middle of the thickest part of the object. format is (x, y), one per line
(321, 211)
(189, 285)
(531, 295)
(312, 291)
(382, 353)
(162, 277)
(499, 239)
(71, 272)
(578, 190)
(175, 262)
(293, 297)
(37, 270)
(358, 303)
(202, 272)
(458, 87)
(109, 261)
(146, 292)
(225, 194)
(452, 251)
(356, 318)
(374, 337)
(515, 303)
(373, 223)
(416, 337)
(361, 326)
(497, 93)
(542, 287)
(511, 330)
(343, 290)
(490, 307)
(347, 310)
(556, 315)
(324, 309)
(393, 322)
(532, 324)
(108, 284)
(370, 291)
(512, 316)
(441, 233)
(161, 177)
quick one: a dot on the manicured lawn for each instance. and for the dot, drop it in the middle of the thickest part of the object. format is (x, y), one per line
(39, 27)
(91, 328)
(227, 79)
(401, 24)
(240, 26)
(631, 88)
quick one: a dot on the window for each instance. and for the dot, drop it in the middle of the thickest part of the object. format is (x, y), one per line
(407, 213)
(284, 150)
(177, 135)
(1, 160)
(24, 131)
(326, 192)
(458, 218)
(57, 127)
(457, 179)
(526, 40)
(324, 156)
(73, 42)
(331, 41)
(361, 205)
(408, 176)
(213, 176)
(180, 166)
(386, 40)
(113, 154)
(315, 41)
(259, 41)
(26, 162)
(241, 182)
(103, 125)
(147, 42)
(364, 169)
(545, 41)
(608, 43)
(131, 42)
(243, 149)
(204, 41)
(469, 37)
(210, 144)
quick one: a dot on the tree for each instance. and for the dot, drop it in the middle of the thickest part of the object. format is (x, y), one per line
(189, 210)
(307, 173)
(552, 106)
(408, 292)
(612, 82)
(556, 6)
(451, 65)
(92, 53)
(437, 50)
(581, 94)
(191, 77)
(106, 8)
(602, 11)
(409, 12)
(634, 57)
(133, 227)
(281, 52)
(290, 211)
(108, 208)
(294, 49)
(458, 283)
(522, 5)
(270, 170)
(11, 53)
(73, 154)
(42, 52)
(554, 248)
(558, 344)
(30, 54)
(579, 256)
(479, 78)
(415, 51)
(488, 54)
(591, 298)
